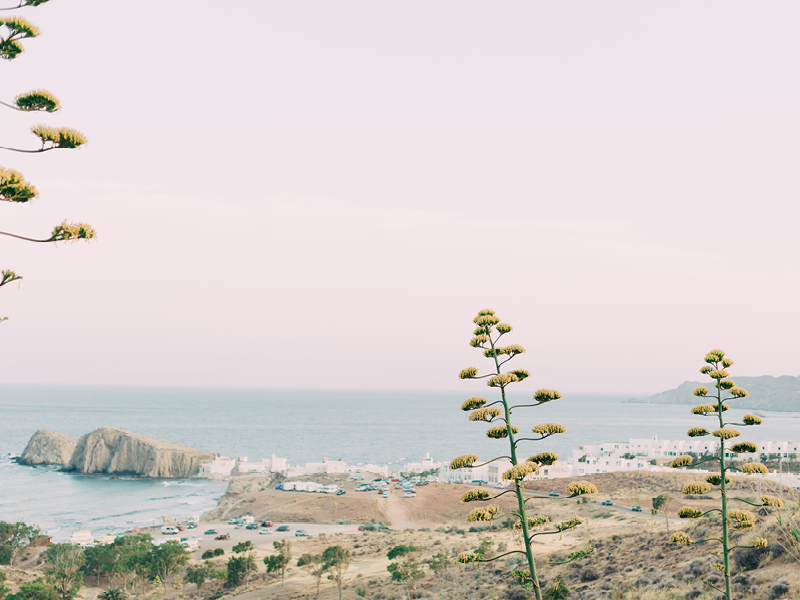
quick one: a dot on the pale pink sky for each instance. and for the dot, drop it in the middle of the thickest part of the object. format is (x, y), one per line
(322, 194)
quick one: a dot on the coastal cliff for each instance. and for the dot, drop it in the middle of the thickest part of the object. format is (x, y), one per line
(48, 448)
(110, 450)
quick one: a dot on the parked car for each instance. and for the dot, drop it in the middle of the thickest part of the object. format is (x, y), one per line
(267, 524)
(265, 531)
(363, 488)
(499, 486)
(191, 525)
(341, 492)
(301, 533)
(283, 528)
(606, 503)
(409, 495)
(554, 494)
(251, 526)
(636, 508)
(224, 536)
(210, 532)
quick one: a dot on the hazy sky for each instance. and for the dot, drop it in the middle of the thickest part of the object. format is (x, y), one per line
(322, 194)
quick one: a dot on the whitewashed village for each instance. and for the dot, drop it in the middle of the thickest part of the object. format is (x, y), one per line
(638, 454)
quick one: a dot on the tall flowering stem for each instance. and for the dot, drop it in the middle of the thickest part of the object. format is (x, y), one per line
(714, 406)
(486, 337)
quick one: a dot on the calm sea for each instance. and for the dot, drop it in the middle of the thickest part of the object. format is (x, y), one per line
(302, 425)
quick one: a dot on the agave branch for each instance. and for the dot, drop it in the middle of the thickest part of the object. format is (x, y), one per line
(7, 277)
(491, 461)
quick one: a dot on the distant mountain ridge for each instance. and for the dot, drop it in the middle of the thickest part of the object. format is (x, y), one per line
(766, 392)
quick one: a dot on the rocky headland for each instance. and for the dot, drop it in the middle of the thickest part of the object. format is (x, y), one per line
(114, 451)
(765, 392)
(48, 447)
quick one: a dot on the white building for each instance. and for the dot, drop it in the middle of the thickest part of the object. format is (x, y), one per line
(219, 468)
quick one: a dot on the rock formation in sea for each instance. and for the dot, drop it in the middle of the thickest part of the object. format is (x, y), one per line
(110, 450)
(48, 448)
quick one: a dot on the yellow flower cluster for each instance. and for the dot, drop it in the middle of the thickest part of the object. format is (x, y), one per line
(759, 543)
(743, 447)
(700, 391)
(543, 458)
(467, 557)
(718, 374)
(687, 512)
(697, 432)
(727, 384)
(717, 479)
(738, 392)
(715, 356)
(485, 414)
(754, 467)
(771, 501)
(725, 433)
(545, 395)
(500, 432)
(485, 513)
(695, 488)
(742, 519)
(681, 539)
(749, 419)
(549, 428)
(465, 460)
(479, 340)
(475, 494)
(504, 328)
(581, 488)
(520, 471)
(682, 461)
(473, 403)
(703, 409)
(468, 373)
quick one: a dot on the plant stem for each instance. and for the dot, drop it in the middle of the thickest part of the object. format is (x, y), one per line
(725, 541)
(517, 484)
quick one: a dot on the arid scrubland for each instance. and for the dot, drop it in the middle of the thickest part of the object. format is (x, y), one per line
(633, 556)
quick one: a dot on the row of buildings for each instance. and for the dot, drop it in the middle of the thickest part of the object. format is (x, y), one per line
(635, 455)
(224, 467)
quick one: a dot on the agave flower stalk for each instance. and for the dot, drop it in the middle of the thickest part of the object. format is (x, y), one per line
(714, 406)
(486, 337)
(13, 187)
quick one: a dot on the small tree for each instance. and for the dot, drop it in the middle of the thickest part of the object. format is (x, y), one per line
(336, 561)
(167, 559)
(64, 562)
(35, 590)
(660, 503)
(197, 574)
(236, 571)
(277, 563)
(486, 336)
(312, 564)
(17, 536)
(242, 547)
(407, 570)
(715, 368)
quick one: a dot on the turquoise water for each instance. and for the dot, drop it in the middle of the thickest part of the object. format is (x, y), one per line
(302, 425)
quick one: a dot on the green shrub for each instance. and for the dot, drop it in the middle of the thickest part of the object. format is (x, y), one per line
(361, 592)
(207, 554)
(5, 555)
(218, 551)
